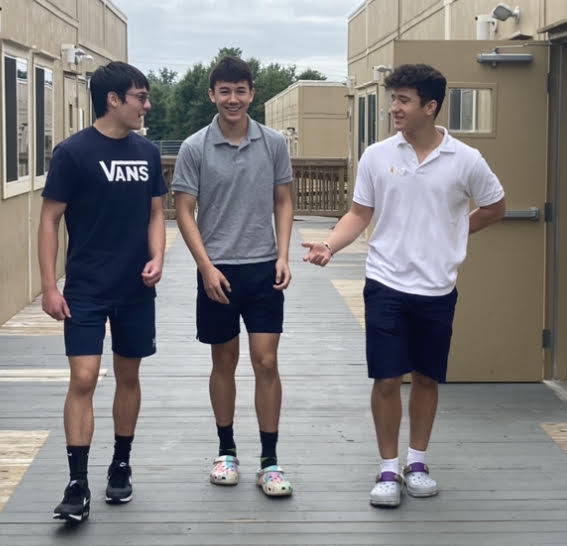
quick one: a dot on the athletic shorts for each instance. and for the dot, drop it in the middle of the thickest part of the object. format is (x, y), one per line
(407, 332)
(132, 328)
(252, 296)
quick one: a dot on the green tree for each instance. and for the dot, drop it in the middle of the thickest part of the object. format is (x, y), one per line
(182, 107)
(270, 81)
(161, 88)
(310, 74)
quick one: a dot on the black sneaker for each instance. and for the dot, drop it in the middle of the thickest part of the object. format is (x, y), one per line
(76, 502)
(119, 488)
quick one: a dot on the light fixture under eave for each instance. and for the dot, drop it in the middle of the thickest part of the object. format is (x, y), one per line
(378, 70)
(494, 58)
(504, 11)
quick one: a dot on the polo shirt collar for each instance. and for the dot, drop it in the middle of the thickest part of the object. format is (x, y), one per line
(447, 144)
(217, 137)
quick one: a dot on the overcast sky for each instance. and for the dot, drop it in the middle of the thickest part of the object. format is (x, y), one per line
(180, 33)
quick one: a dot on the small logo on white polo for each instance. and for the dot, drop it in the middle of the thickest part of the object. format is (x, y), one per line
(126, 171)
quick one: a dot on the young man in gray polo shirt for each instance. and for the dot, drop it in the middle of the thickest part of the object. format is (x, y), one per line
(239, 172)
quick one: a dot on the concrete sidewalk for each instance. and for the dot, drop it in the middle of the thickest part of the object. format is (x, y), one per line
(503, 479)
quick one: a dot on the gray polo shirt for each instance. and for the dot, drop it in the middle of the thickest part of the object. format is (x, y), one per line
(234, 186)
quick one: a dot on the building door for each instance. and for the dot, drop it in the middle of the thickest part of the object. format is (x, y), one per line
(500, 109)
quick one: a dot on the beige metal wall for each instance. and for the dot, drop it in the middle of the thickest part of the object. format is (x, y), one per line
(313, 117)
(36, 30)
(374, 26)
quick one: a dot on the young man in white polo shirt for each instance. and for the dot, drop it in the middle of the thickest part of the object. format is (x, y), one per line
(239, 172)
(417, 185)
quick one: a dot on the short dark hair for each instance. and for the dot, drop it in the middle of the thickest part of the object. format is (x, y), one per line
(230, 69)
(429, 83)
(115, 76)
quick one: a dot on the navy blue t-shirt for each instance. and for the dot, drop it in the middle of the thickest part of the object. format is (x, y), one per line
(108, 185)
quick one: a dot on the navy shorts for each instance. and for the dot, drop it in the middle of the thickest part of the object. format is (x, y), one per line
(407, 332)
(132, 327)
(252, 296)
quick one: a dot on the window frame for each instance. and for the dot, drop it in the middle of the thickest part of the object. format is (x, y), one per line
(21, 184)
(475, 86)
(43, 64)
(361, 133)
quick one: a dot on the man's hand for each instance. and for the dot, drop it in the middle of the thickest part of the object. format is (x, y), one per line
(318, 253)
(215, 284)
(151, 274)
(283, 275)
(54, 304)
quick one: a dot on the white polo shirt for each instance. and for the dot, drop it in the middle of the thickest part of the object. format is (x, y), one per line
(421, 211)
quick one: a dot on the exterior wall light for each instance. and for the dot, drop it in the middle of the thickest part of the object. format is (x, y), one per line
(503, 12)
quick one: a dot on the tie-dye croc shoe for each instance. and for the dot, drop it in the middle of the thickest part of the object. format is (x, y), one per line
(273, 482)
(225, 470)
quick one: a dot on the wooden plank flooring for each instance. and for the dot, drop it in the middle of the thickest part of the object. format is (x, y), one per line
(503, 478)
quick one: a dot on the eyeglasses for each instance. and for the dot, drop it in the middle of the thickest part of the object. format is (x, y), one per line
(142, 97)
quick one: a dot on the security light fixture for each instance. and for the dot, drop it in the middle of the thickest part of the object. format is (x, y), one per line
(74, 54)
(378, 70)
(504, 11)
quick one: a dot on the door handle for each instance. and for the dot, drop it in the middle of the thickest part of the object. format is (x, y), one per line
(530, 214)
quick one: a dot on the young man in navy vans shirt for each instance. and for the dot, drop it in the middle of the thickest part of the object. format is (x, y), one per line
(107, 182)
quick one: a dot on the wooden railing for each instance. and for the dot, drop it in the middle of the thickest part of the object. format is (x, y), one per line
(320, 186)
(168, 165)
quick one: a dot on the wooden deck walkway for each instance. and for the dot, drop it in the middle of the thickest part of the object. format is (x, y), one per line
(503, 478)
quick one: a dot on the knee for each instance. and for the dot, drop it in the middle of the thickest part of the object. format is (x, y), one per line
(83, 383)
(127, 381)
(422, 381)
(265, 365)
(387, 387)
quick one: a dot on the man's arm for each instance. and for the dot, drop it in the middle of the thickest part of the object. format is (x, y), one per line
(350, 226)
(283, 220)
(152, 272)
(53, 302)
(214, 281)
(482, 217)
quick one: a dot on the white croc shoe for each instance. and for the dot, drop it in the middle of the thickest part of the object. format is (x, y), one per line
(418, 482)
(388, 490)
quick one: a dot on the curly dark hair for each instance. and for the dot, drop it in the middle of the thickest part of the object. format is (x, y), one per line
(429, 83)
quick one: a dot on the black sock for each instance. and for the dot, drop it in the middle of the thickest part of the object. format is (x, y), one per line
(269, 441)
(226, 444)
(122, 447)
(78, 458)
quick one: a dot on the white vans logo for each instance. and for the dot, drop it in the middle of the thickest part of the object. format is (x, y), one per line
(126, 171)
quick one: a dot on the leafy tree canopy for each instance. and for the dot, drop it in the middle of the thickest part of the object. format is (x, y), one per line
(180, 107)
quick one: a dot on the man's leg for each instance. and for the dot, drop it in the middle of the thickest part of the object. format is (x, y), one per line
(79, 427)
(268, 391)
(222, 390)
(268, 401)
(125, 410)
(386, 407)
(127, 396)
(222, 386)
(78, 413)
(422, 408)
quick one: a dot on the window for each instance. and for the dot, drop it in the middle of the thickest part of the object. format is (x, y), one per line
(361, 125)
(371, 119)
(16, 108)
(470, 110)
(43, 119)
